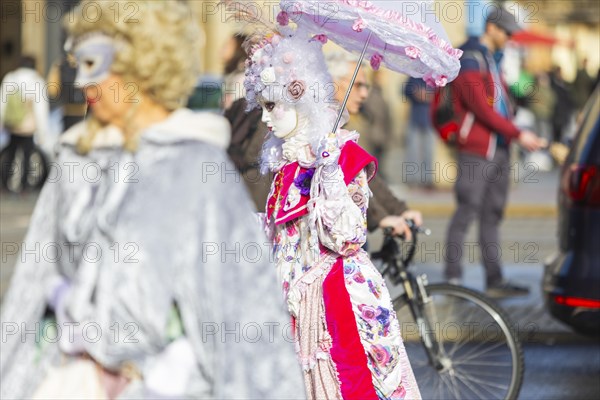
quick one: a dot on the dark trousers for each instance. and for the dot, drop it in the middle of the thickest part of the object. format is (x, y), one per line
(8, 169)
(481, 192)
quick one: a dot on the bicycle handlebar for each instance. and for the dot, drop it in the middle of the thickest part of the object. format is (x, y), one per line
(390, 249)
(389, 231)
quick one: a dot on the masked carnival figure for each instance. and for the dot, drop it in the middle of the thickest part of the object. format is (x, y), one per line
(143, 273)
(346, 332)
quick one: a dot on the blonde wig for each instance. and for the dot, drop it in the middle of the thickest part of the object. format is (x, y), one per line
(159, 46)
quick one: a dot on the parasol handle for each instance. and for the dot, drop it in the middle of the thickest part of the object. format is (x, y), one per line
(358, 65)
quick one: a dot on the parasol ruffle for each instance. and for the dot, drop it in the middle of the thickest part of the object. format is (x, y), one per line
(407, 46)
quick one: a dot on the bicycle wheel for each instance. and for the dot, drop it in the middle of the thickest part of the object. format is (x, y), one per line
(480, 356)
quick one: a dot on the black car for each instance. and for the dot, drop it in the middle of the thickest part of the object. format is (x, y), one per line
(572, 279)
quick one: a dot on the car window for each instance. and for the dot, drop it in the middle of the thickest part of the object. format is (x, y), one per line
(586, 143)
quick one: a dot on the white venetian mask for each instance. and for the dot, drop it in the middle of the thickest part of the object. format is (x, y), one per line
(94, 56)
(281, 119)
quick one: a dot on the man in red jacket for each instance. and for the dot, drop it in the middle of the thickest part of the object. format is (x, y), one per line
(483, 152)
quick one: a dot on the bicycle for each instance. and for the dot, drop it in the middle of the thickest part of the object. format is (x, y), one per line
(459, 343)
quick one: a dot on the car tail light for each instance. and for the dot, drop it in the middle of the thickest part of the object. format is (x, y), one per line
(582, 184)
(576, 302)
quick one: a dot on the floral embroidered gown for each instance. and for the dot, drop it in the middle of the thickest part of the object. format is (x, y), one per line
(346, 331)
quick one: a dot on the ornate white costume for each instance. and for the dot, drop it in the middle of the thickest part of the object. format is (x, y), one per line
(347, 335)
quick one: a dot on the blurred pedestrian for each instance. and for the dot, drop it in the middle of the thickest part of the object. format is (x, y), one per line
(62, 88)
(247, 130)
(376, 110)
(142, 184)
(564, 106)
(420, 138)
(341, 66)
(583, 86)
(542, 105)
(24, 110)
(233, 56)
(385, 209)
(483, 152)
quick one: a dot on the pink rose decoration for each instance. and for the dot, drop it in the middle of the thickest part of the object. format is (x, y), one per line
(288, 57)
(283, 18)
(436, 81)
(359, 277)
(321, 38)
(412, 52)
(381, 354)
(296, 90)
(399, 393)
(359, 199)
(369, 313)
(442, 81)
(359, 25)
(429, 80)
(376, 61)
(349, 269)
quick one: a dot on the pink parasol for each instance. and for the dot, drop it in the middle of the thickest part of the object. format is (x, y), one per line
(403, 35)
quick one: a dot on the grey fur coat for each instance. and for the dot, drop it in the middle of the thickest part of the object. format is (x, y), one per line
(135, 235)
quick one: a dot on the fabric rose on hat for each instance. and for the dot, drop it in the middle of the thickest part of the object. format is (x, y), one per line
(268, 76)
(296, 90)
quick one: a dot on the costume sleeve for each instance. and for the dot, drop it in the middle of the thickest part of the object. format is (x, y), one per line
(342, 219)
(471, 90)
(382, 204)
(25, 302)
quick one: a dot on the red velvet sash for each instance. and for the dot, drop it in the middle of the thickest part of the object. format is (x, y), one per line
(347, 351)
